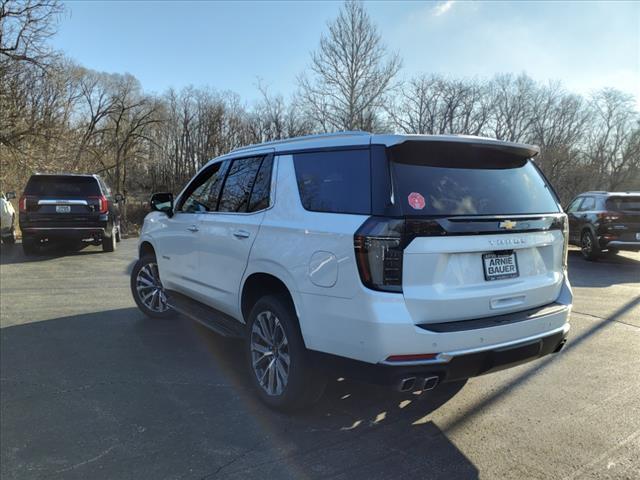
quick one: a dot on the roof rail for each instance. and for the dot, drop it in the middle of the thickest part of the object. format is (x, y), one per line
(302, 139)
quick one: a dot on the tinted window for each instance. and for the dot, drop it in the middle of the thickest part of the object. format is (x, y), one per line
(623, 203)
(588, 204)
(237, 186)
(465, 180)
(337, 182)
(262, 186)
(202, 195)
(62, 186)
(574, 205)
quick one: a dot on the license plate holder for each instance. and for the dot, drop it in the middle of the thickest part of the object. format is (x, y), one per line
(63, 208)
(500, 265)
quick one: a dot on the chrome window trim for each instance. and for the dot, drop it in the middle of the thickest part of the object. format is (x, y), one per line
(61, 201)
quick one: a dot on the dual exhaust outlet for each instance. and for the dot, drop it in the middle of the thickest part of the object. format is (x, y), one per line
(408, 384)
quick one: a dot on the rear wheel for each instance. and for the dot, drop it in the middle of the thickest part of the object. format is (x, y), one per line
(589, 246)
(282, 370)
(29, 245)
(147, 288)
(109, 241)
(10, 238)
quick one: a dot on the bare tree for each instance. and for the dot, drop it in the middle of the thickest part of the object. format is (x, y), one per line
(25, 27)
(613, 146)
(350, 73)
(436, 105)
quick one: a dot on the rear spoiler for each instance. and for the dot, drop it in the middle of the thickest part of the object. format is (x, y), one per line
(520, 150)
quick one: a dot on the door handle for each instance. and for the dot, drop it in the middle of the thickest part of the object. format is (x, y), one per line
(241, 234)
(193, 228)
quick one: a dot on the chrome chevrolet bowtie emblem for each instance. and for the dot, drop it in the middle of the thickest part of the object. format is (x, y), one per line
(508, 225)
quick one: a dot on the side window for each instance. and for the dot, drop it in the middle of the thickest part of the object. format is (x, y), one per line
(238, 185)
(259, 199)
(337, 181)
(574, 205)
(202, 195)
(588, 204)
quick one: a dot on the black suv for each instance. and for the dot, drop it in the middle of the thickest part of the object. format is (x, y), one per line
(69, 207)
(604, 221)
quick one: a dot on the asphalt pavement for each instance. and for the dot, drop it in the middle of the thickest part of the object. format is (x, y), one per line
(91, 389)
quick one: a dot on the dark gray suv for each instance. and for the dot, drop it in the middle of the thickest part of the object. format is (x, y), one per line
(69, 207)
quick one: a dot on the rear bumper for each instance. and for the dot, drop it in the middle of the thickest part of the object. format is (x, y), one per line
(623, 245)
(64, 232)
(457, 366)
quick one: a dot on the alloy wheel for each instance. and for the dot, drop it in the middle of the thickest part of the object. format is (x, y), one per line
(587, 244)
(270, 356)
(149, 288)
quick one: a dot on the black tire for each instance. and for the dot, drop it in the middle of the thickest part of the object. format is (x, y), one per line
(147, 261)
(10, 238)
(109, 241)
(304, 383)
(589, 246)
(29, 245)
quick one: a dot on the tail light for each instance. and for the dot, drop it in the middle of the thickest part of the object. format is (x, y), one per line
(103, 205)
(609, 216)
(24, 203)
(379, 247)
(562, 223)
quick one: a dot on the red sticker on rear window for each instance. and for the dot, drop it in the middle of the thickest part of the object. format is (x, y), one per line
(416, 201)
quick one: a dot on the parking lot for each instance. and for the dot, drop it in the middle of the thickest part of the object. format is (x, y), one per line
(91, 389)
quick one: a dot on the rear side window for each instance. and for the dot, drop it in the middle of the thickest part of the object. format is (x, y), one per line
(460, 179)
(336, 181)
(262, 186)
(62, 186)
(238, 185)
(624, 203)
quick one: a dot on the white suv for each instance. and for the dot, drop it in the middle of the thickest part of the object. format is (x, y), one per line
(405, 260)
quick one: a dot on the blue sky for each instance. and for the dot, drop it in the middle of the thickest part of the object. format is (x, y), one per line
(230, 45)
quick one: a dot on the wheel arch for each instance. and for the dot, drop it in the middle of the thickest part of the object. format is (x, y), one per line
(259, 283)
(146, 248)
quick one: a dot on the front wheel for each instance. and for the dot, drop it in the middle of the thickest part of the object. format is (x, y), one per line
(147, 289)
(282, 370)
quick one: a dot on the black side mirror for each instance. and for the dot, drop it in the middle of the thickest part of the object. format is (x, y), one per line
(119, 197)
(162, 202)
(10, 195)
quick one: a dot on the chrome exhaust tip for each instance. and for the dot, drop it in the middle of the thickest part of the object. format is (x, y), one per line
(430, 383)
(406, 384)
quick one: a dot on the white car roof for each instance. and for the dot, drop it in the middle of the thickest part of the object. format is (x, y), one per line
(356, 138)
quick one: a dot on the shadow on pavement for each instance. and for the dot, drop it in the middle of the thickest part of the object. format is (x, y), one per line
(115, 395)
(540, 365)
(606, 271)
(13, 254)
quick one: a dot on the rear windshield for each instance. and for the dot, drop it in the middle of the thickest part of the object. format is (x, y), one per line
(62, 186)
(453, 180)
(624, 203)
